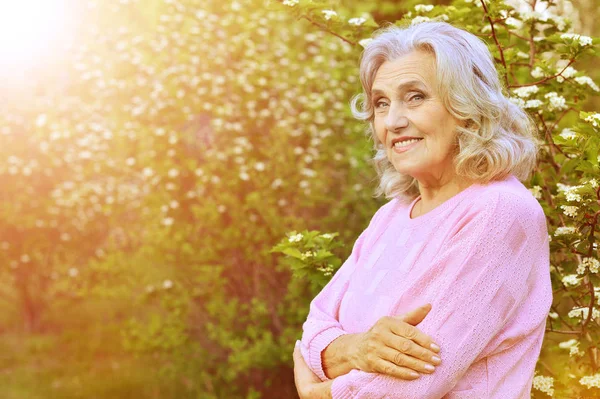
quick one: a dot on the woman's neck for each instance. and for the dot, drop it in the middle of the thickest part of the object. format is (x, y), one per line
(433, 195)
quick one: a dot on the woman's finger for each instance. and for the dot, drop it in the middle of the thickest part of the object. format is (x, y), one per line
(404, 360)
(410, 348)
(405, 330)
(391, 369)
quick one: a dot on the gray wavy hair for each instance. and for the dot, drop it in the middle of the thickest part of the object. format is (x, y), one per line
(499, 137)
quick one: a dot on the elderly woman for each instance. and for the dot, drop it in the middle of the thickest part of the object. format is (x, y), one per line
(447, 290)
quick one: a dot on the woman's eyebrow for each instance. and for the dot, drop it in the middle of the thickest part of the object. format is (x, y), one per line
(401, 87)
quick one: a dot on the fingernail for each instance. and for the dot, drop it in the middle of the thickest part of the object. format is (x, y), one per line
(436, 359)
(435, 348)
(414, 374)
(429, 367)
(297, 344)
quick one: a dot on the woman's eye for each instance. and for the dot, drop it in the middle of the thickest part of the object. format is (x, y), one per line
(378, 104)
(417, 97)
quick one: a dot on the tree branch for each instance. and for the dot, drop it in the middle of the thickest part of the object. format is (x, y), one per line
(324, 28)
(571, 61)
(502, 60)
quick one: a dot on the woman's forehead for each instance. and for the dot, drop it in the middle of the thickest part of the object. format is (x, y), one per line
(413, 69)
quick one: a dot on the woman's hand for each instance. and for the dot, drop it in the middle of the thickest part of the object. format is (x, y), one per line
(393, 346)
(308, 385)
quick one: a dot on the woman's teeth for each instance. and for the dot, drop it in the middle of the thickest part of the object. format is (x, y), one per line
(404, 143)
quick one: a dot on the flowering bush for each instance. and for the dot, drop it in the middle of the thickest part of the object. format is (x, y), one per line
(182, 147)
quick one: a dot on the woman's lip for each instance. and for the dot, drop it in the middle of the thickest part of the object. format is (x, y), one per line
(404, 149)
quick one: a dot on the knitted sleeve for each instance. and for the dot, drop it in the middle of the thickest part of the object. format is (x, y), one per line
(322, 324)
(491, 267)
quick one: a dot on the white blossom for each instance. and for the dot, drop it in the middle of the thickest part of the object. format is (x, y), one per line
(586, 80)
(276, 183)
(528, 15)
(167, 284)
(532, 104)
(581, 40)
(290, 3)
(308, 172)
(515, 23)
(590, 263)
(147, 172)
(419, 19)
(73, 272)
(365, 42)
(295, 237)
(571, 280)
(590, 381)
(556, 102)
(569, 71)
(537, 72)
(561, 22)
(423, 7)
(562, 231)
(594, 119)
(570, 211)
(328, 14)
(583, 312)
(517, 101)
(526, 91)
(168, 221)
(544, 384)
(563, 188)
(572, 345)
(568, 344)
(573, 197)
(536, 191)
(357, 21)
(570, 192)
(568, 134)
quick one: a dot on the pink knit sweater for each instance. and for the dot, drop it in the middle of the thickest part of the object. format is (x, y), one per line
(481, 259)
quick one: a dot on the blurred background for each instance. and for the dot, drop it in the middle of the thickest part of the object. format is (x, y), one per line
(152, 153)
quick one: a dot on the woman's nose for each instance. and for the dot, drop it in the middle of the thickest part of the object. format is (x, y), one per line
(395, 119)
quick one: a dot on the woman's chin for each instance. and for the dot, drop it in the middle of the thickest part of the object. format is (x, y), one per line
(409, 170)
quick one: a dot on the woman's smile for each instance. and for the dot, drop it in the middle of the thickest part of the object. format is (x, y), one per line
(405, 145)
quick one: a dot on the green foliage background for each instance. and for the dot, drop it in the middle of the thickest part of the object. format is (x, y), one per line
(188, 176)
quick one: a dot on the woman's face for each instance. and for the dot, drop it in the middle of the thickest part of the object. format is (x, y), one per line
(409, 112)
